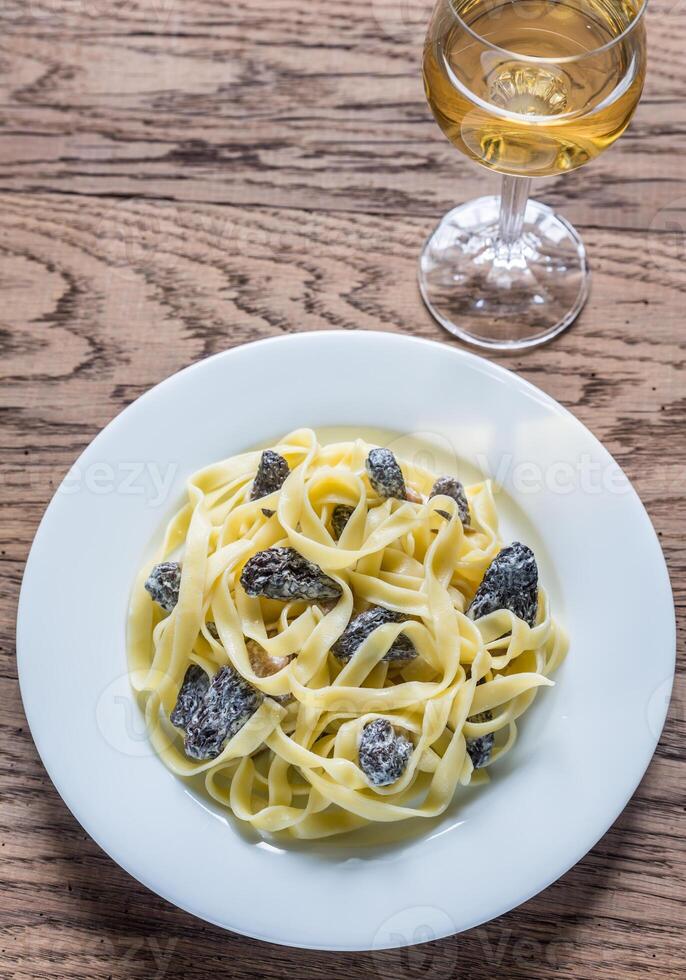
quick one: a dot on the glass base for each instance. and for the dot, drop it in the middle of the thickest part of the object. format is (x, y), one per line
(498, 296)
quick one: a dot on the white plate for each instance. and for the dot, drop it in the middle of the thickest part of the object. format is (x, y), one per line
(584, 745)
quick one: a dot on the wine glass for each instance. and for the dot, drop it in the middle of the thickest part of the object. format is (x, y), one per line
(529, 88)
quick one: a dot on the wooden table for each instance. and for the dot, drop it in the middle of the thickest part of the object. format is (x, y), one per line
(180, 177)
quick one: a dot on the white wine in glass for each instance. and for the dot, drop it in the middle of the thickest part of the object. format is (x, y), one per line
(529, 88)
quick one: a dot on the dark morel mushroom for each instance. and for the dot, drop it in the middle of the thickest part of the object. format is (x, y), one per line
(271, 474)
(340, 517)
(383, 752)
(385, 474)
(363, 625)
(229, 702)
(510, 582)
(283, 573)
(164, 583)
(448, 486)
(193, 690)
(480, 749)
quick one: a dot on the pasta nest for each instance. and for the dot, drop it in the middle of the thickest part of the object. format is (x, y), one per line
(294, 767)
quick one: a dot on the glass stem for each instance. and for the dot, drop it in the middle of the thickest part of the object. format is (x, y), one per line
(513, 199)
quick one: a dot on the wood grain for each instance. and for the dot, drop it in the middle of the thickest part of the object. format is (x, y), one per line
(178, 178)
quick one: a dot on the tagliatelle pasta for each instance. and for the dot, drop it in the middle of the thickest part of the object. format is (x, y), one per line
(292, 760)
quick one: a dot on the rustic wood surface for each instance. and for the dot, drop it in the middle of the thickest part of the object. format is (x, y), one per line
(178, 178)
